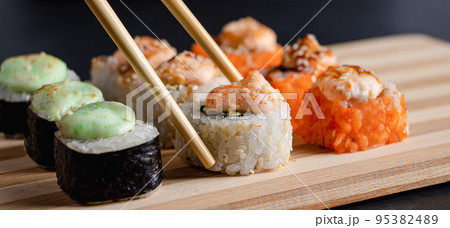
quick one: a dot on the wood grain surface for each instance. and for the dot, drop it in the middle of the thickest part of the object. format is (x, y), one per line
(418, 64)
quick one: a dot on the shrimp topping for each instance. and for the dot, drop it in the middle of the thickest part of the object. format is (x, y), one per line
(188, 68)
(252, 94)
(154, 50)
(308, 56)
(350, 83)
(247, 34)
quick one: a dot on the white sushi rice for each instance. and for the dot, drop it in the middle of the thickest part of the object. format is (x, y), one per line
(165, 126)
(11, 96)
(140, 134)
(104, 76)
(241, 145)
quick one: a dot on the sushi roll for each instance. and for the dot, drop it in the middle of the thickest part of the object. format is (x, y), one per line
(248, 44)
(20, 77)
(191, 73)
(245, 126)
(360, 111)
(103, 154)
(188, 77)
(301, 64)
(114, 75)
(49, 104)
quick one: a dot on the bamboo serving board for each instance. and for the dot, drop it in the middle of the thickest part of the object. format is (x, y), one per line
(418, 64)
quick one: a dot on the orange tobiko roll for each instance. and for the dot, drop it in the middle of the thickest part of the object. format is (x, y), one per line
(248, 44)
(301, 64)
(359, 112)
(292, 83)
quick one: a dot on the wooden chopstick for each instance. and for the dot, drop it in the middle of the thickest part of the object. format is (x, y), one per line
(202, 37)
(119, 34)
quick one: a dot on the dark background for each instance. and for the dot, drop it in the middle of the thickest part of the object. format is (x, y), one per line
(68, 30)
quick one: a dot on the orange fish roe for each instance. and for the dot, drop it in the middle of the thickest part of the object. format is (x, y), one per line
(252, 93)
(301, 64)
(248, 61)
(295, 82)
(354, 126)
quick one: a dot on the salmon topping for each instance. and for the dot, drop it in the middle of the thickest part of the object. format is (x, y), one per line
(252, 94)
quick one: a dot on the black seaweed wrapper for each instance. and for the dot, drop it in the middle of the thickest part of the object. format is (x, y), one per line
(39, 140)
(13, 118)
(93, 178)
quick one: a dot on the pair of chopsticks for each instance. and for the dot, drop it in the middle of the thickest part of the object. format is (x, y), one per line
(119, 34)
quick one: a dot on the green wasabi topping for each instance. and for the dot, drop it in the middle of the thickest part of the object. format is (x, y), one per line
(27, 73)
(53, 101)
(97, 120)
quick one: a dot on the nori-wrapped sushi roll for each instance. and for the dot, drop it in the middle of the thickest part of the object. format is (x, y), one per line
(245, 126)
(20, 77)
(13, 118)
(49, 104)
(102, 154)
